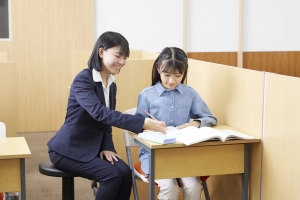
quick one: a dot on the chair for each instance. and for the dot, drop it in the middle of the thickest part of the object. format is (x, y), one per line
(2, 130)
(47, 168)
(137, 172)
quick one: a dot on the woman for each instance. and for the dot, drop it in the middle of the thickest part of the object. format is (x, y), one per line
(83, 146)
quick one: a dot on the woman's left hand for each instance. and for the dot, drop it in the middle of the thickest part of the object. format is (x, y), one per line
(110, 156)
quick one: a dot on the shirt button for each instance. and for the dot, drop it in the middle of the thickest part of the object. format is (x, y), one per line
(171, 106)
(171, 120)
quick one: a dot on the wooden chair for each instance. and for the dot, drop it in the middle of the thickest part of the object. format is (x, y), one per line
(137, 172)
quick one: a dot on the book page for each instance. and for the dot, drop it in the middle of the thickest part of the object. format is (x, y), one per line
(228, 134)
(236, 135)
(192, 135)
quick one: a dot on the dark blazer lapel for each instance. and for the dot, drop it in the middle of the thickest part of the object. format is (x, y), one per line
(112, 96)
(100, 92)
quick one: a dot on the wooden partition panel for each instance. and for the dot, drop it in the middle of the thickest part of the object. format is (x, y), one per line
(3, 57)
(135, 54)
(80, 61)
(235, 97)
(281, 162)
(45, 33)
(280, 62)
(8, 98)
(225, 58)
(149, 55)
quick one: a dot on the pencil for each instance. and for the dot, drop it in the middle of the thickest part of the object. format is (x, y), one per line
(151, 116)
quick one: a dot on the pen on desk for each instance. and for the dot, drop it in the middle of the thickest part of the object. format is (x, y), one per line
(150, 115)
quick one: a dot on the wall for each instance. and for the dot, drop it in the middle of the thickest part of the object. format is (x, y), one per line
(45, 34)
(263, 32)
(8, 109)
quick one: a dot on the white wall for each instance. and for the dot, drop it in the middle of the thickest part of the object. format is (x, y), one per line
(271, 25)
(147, 24)
(212, 25)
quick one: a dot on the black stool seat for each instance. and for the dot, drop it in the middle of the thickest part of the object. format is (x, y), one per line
(48, 169)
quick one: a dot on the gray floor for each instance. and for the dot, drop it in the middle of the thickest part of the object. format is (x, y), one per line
(40, 187)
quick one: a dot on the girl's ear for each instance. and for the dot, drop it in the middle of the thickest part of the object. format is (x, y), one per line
(100, 52)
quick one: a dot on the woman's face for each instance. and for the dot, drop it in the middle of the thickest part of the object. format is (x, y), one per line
(170, 79)
(112, 60)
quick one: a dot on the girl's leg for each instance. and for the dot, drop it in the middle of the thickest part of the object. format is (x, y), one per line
(168, 189)
(115, 180)
(191, 187)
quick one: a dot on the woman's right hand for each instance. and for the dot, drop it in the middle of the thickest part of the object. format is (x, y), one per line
(154, 125)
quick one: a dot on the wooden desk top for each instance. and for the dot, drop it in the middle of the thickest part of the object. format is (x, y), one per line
(14, 147)
(154, 145)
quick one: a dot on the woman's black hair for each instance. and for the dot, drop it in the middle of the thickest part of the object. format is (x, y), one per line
(106, 41)
(171, 58)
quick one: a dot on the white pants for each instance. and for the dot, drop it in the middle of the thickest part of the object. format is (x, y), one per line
(169, 189)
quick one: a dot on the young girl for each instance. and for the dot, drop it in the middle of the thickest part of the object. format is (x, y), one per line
(83, 146)
(169, 100)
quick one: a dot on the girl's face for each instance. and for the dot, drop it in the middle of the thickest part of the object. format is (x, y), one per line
(170, 79)
(112, 60)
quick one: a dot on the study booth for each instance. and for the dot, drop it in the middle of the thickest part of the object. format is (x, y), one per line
(230, 97)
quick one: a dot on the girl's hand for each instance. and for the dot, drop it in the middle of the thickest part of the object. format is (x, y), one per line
(192, 123)
(110, 156)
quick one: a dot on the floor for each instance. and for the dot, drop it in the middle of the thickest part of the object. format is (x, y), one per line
(40, 187)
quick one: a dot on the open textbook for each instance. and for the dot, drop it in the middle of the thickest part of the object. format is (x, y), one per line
(192, 135)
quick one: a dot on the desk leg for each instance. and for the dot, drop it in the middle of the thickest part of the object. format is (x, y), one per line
(151, 175)
(245, 175)
(23, 183)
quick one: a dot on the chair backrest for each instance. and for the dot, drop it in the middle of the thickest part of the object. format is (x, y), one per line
(128, 139)
(2, 130)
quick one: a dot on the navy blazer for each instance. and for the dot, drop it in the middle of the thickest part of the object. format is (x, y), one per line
(87, 127)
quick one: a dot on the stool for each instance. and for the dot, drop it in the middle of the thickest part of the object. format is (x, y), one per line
(48, 169)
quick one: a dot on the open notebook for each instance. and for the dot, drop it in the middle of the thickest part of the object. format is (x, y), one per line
(192, 135)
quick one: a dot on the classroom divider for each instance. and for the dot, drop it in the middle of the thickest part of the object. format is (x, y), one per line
(261, 104)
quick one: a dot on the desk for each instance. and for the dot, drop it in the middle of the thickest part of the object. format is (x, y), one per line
(13, 151)
(206, 158)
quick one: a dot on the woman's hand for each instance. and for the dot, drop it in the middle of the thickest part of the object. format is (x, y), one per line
(192, 123)
(110, 156)
(154, 125)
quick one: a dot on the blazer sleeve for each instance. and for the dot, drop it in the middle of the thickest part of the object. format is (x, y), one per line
(86, 97)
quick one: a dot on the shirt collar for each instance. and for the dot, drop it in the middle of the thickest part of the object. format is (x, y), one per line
(160, 89)
(97, 78)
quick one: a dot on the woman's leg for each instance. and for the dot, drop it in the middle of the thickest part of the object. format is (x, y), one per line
(168, 189)
(191, 187)
(115, 180)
